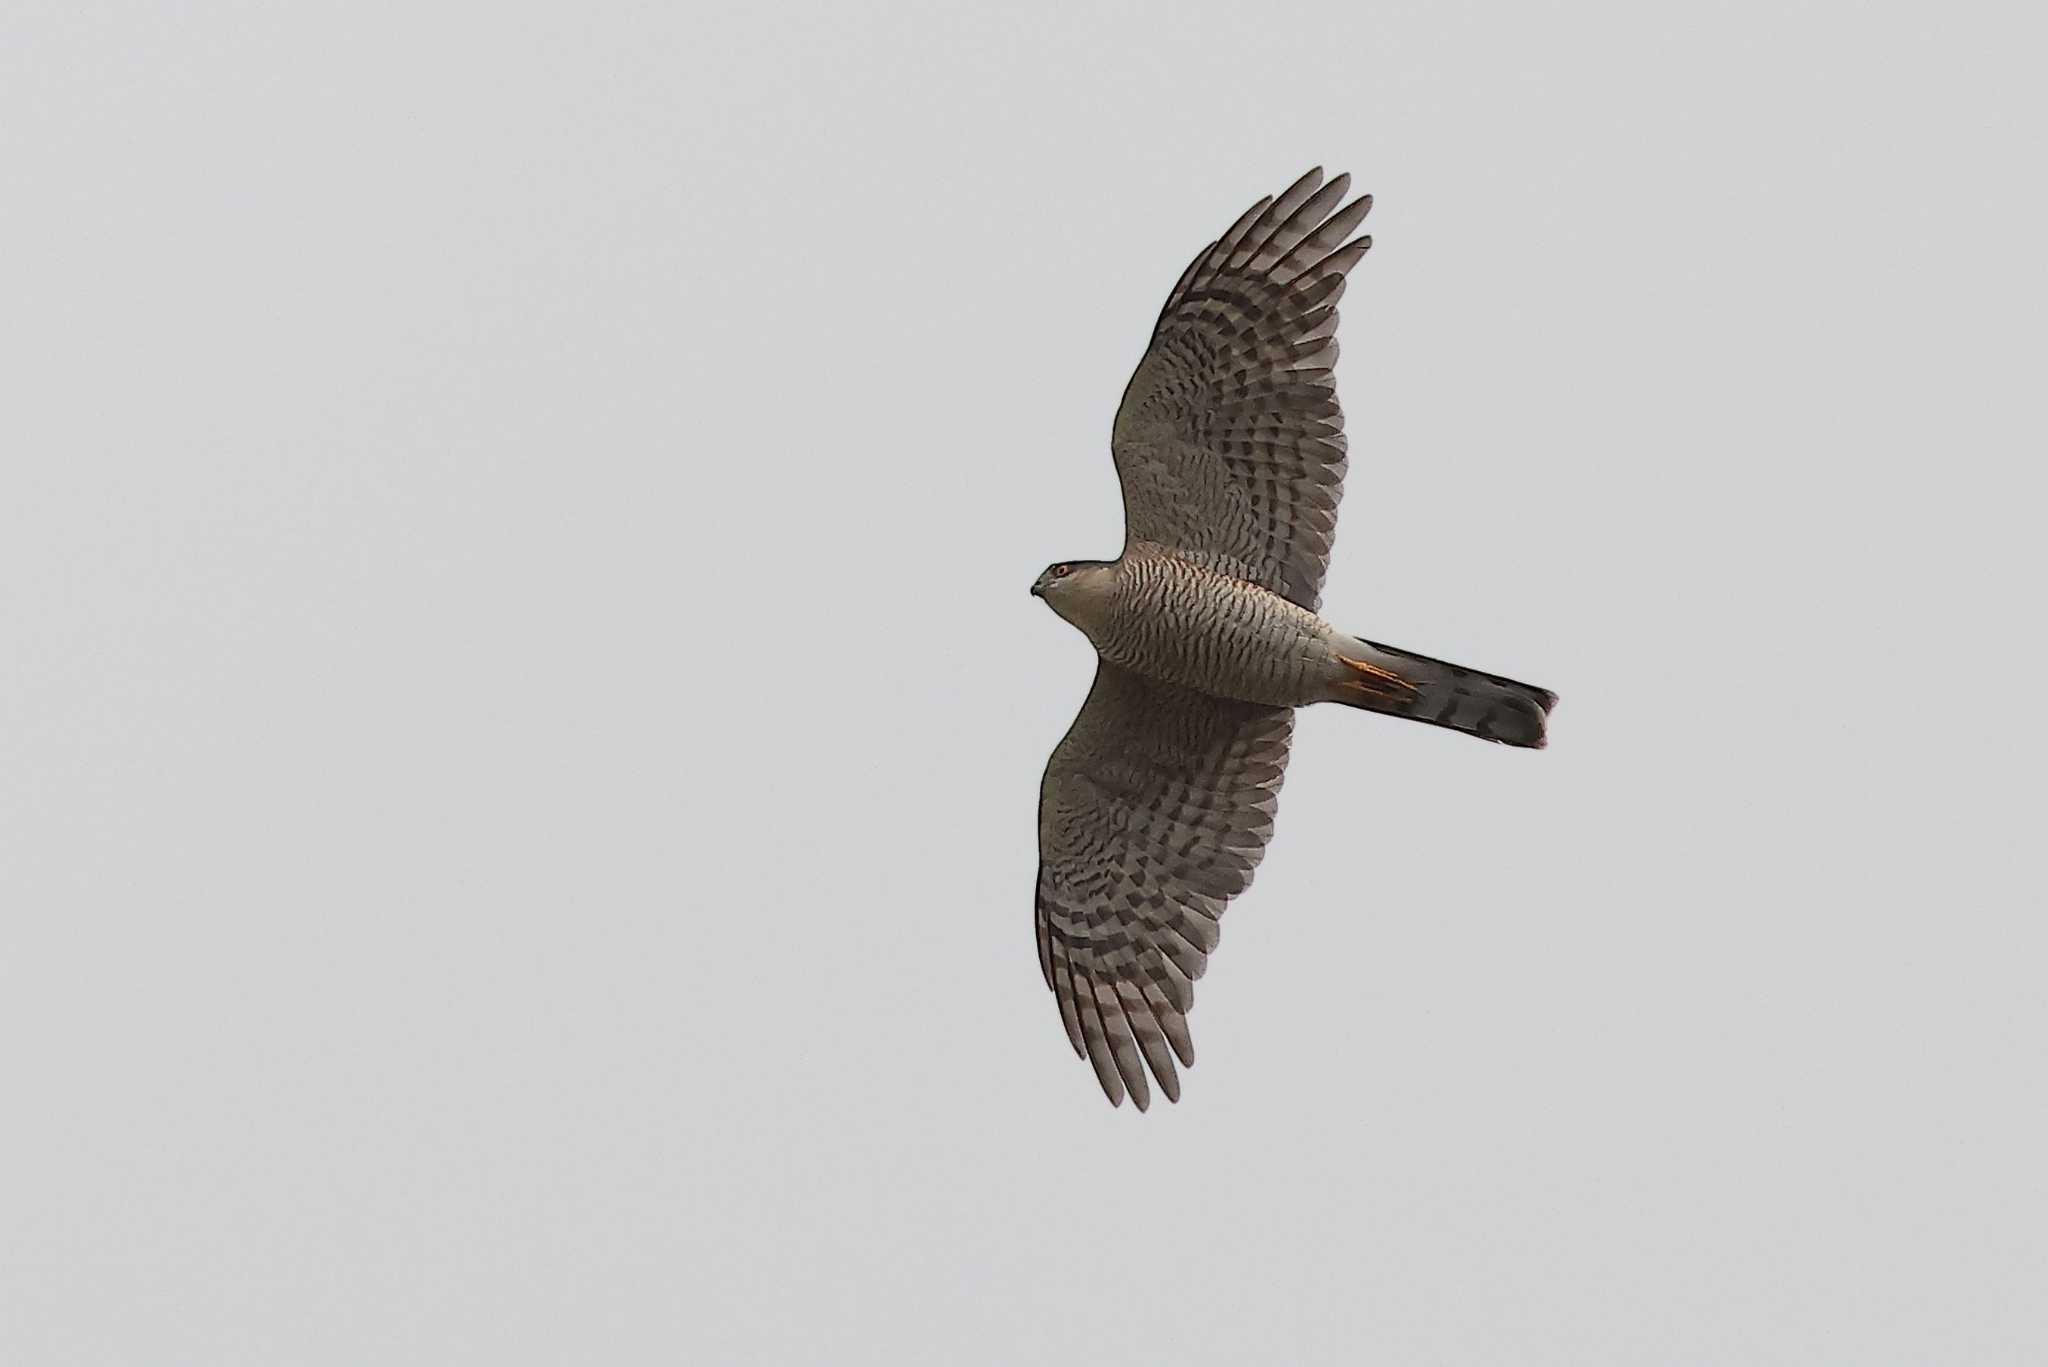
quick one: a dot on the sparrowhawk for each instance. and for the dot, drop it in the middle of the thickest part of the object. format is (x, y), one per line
(1157, 805)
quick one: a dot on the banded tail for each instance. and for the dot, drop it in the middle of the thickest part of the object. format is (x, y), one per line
(1382, 679)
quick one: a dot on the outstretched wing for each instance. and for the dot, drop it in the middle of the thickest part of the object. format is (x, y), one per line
(1229, 442)
(1155, 809)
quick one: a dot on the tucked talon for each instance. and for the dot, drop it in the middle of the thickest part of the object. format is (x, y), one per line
(1372, 670)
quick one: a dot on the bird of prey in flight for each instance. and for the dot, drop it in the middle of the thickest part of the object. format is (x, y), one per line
(1158, 803)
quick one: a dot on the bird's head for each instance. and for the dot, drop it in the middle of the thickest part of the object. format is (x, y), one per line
(1067, 587)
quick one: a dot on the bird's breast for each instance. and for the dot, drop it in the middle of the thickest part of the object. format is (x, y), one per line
(1186, 624)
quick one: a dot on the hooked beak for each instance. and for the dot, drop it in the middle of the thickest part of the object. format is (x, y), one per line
(1038, 590)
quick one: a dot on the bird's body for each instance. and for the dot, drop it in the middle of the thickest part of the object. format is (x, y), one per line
(1183, 623)
(1158, 804)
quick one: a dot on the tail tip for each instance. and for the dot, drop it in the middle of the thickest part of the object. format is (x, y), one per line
(1521, 719)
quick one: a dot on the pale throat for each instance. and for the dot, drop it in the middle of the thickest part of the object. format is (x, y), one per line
(1087, 597)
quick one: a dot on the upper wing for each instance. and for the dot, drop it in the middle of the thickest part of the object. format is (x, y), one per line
(1229, 442)
(1155, 809)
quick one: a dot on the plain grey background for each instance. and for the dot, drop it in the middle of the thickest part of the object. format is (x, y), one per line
(521, 717)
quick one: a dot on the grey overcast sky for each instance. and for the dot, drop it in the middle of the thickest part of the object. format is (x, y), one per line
(521, 718)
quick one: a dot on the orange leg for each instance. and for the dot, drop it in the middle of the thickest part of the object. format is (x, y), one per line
(1374, 680)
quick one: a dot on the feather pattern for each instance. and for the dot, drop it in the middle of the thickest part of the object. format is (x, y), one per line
(1154, 811)
(1229, 442)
